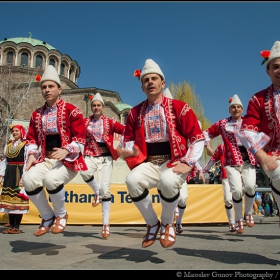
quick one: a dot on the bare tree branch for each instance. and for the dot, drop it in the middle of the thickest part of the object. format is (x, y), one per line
(15, 88)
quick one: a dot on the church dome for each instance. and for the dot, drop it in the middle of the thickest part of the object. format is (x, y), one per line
(122, 106)
(29, 40)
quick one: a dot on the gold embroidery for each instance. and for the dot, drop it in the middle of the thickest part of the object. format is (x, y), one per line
(13, 151)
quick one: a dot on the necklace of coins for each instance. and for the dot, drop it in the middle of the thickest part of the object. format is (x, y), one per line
(13, 151)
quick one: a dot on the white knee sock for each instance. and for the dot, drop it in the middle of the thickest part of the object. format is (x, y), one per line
(168, 209)
(181, 213)
(249, 204)
(41, 203)
(94, 185)
(230, 215)
(146, 209)
(106, 212)
(58, 202)
(238, 211)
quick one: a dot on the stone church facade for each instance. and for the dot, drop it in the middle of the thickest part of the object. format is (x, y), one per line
(21, 59)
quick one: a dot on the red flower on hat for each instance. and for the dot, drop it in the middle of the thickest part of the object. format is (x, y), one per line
(38, 78)
(230, 100)
(265, 54)
(90, 97)
(137, 73)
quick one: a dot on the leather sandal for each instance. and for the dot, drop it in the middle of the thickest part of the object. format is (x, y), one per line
(239, 227)
(249, 220)
(179, 228)
(44, 226)
(96, 201)
(231, 228)
(59, 224)
(7, 231)
(7, 225)
(105, 231)
(150, 238)
(14, 231)
(166, 238)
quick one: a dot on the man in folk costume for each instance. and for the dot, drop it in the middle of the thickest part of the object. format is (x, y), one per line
(260, 131)
(182, 202)
(191, 177)
(239, 163)
(197, 169)
(156, 150)
(219, 156)
(99, 154)
(54, 144)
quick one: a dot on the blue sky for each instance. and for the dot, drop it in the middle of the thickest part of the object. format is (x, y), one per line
(214, 46)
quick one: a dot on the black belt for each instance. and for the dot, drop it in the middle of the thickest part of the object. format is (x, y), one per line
(158, 148)
(244, 153)
(104, 150)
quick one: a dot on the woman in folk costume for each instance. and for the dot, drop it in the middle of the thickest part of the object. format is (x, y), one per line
(239, 163)
(219, 156)
(54, 145)
(99, 154)
(260, 131)
(156, 138)
(13, 199)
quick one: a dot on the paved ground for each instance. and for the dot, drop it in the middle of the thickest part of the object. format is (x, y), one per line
(198, 247)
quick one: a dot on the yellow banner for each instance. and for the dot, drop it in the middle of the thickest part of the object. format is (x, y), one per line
(204, 205)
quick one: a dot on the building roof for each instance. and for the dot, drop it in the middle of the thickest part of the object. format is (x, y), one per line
(121, 106)
(29, 40)
(34, 42)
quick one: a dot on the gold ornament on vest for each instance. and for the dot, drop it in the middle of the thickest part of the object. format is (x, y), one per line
(13, 151)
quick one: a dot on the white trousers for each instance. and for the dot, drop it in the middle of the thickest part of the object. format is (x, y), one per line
(183, 195)
(242, 179)
(227, 193)
(274, 176)
(149, 176)
(50, 173)
(104, 168)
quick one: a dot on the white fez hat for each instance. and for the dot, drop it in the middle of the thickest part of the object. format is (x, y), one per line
(98, 97)
(167, 93)
(151, 67)
(235, 100)
(274, 52)
(50, 74)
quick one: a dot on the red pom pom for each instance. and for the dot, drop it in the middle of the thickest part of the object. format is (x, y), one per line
(38, 78)
(137, 73)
